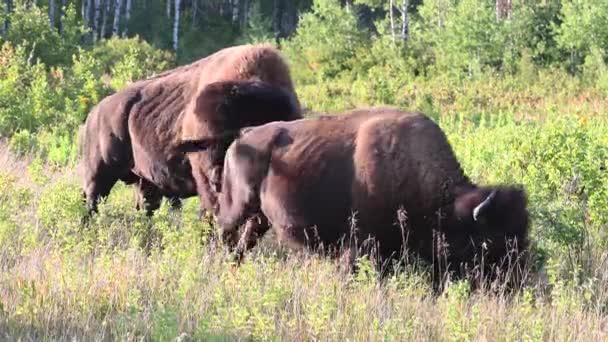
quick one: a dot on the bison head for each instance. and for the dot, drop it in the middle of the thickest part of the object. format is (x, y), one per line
(216, 117)
(488, 221)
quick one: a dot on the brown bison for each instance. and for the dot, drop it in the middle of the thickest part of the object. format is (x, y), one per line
(149, 132)
(391, 173)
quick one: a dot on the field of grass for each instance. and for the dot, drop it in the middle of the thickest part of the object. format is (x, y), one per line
(128, 277)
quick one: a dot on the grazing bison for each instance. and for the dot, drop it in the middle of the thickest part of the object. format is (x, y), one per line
(148, 133)
(395, 171)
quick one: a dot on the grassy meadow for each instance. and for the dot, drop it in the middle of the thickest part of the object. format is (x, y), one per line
(129, 277)
(522, 99)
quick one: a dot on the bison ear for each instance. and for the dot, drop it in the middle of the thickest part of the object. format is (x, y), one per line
(189, 146)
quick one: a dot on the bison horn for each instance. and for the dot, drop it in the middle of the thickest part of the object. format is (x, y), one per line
(483, 205)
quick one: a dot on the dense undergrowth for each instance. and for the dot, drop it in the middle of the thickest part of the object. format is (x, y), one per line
(515, 111)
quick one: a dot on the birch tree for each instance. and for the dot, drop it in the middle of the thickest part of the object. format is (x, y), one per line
(127, 18)
(169, 9)
(244, 14)
(96, 19)
(390, 11)
(7, 11)
(117, 12)
(61, 15)
(235, 11)
(404, 21)
(194, 12)
(104, 20)
(503, 9)
(277, 16)
(52, 13)
(176, 26)
(87, 12)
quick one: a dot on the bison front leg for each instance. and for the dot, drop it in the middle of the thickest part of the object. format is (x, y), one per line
(148, 197)
(97, 185)
(241, 241)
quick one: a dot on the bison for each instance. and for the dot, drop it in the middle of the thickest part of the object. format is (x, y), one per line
(147, 133)
(390, 174)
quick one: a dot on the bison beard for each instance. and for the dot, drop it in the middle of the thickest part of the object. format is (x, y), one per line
(135, 135)
(394, 170)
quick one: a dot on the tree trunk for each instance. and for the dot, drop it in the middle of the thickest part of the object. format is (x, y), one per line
(169, 9)
(96, 32)
(194, 12)
(7, 11)
(289, 21)
(277, 16)
(176, 26)
(87, 13)
(52, 13)
(104, 21)
(244, 14)
(405, 30)
(235, 11)
(117, 12)
(61, 15)
(127, 18)
(503, 9)
(390, 10)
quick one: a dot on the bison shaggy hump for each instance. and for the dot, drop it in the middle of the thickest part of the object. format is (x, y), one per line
(394, 170)
(137, 134)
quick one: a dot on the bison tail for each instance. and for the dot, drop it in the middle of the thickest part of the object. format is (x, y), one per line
(80, 136)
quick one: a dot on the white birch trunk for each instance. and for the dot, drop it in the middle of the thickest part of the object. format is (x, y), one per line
(52, 13)
(127, 18)
(235, 11)
(176, 26)
(390, 10)
(61, 15)
(245, 13)
(87, 13)
(503, 9)
(117, 12)
(404, 21)
(104, 20)
(194, 12)
(96, 32)
(7, 11)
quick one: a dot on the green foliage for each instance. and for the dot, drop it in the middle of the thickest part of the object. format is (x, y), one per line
(128, 60)
(496, 86)
(60, 212)
(583, 27)
(29, 27)
(325, 42)
(465, 35)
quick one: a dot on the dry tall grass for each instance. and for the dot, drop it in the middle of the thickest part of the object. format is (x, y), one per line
(59, 282)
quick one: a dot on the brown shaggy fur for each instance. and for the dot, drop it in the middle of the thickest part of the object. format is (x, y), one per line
(136, 135)
(392, 169)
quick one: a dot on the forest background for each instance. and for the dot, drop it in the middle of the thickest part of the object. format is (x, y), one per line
(520, 88)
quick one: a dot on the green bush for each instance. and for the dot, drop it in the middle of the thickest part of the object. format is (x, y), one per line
(29, 27)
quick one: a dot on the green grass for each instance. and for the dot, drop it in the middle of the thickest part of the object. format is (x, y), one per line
(128, 277)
